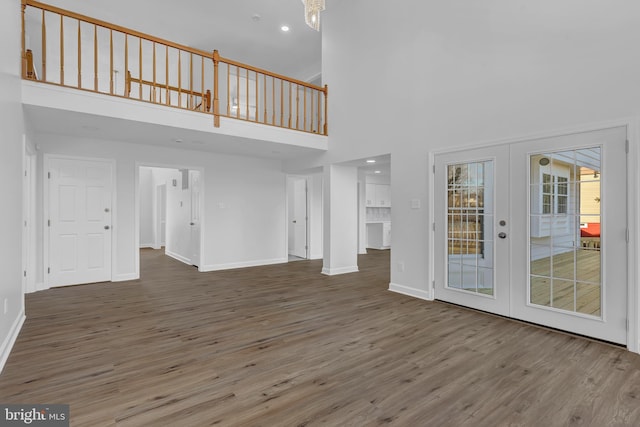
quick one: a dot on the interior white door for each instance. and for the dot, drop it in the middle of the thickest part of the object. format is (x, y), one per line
(79, 221)
(537, 231)
(195, 221)
(161, 216)
(299, 218)
(471, 259)
(569, 238)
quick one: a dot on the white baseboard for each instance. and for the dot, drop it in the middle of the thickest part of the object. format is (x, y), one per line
(10, 340)
(177, 256)
(146, 246)
(125, 277)
(243, 264)
(341, 270)
(412, 292)
(316, 256)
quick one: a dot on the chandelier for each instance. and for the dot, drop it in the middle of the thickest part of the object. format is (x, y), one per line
(312, 9)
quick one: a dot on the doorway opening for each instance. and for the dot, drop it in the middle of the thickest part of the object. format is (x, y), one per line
(297, 218)
(170, 209)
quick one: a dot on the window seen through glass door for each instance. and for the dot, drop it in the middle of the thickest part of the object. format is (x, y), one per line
(565, 235)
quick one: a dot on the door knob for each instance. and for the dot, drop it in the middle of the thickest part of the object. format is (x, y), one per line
(502, 235)
(106, 227)
(192, 223)
(294, 221)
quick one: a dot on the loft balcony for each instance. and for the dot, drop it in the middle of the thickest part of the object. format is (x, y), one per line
(78, 69)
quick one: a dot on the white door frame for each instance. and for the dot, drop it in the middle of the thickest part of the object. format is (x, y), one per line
(287, 219)
(633, 209)
(139, 165)
(29, 239)
(47, 158)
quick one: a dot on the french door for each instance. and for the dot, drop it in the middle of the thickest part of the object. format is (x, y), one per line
(536, 231)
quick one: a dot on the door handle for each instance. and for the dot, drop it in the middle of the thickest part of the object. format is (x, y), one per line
(106, 227)
(502, 235)
(192, 223)
(294, 221)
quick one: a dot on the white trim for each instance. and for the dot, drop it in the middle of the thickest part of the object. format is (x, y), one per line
(29, 215)
(125, 277)
(431, 233)
(176, 256)
(316, 256)
(412, 292)
(46, 159)
(10, 339)
(570, 130)
(340, 270)
(633, 223)
(243, 264)
(633, 204)
(147, 246)
(288, 182)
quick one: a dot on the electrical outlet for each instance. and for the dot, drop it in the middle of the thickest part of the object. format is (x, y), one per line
(6, 305)
(401, 266)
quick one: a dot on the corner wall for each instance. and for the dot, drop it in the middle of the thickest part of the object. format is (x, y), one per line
(12, 133)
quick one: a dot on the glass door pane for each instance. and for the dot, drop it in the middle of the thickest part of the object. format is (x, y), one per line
(469, 227)
(565, 235)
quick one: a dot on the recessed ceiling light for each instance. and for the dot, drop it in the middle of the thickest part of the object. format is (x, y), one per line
(255, 17)
(284, 28)
(371, 161)
(377, 171)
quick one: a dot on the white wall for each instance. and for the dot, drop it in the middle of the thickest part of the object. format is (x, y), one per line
(11, 152)
(453, 73)
(340, 220)
(244, 201)
(315, 215)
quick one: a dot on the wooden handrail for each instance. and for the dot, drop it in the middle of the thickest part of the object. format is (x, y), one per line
(129, 79)
(108, 25)
(270, 74)
(272, 112)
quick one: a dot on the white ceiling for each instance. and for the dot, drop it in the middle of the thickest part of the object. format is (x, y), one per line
(225, 25)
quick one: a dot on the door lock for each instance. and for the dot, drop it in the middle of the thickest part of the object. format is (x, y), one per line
(502, 235)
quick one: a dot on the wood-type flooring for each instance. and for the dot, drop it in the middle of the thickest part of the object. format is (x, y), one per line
(284, 345)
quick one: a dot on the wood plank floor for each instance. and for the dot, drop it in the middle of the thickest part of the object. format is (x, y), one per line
(284, 345)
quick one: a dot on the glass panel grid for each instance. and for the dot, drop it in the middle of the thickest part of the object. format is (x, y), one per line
(565, 214)
(470, 267)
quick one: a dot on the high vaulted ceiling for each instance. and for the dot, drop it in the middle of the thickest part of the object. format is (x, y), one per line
(229, 26)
